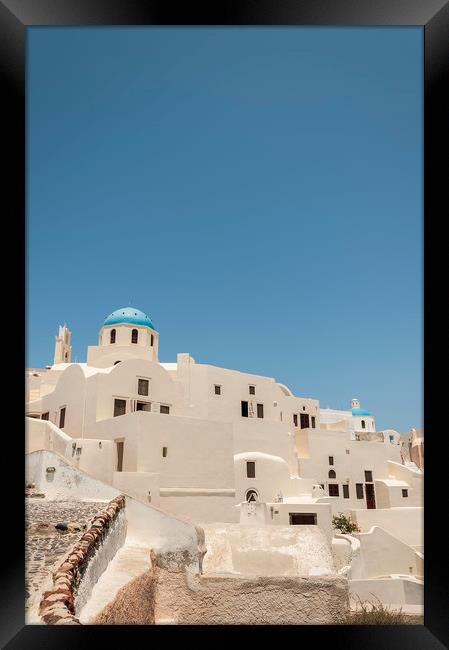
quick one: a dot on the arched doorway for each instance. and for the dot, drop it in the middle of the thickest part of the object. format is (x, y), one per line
(252, 496)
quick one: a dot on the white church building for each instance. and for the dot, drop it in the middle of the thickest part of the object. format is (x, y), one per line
(213, 444)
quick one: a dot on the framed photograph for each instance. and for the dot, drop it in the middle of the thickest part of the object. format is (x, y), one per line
(257, 185)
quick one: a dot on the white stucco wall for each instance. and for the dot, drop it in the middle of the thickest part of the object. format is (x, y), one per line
(69, 393)
(95, 457)
(415, 480)
(122, 382)
(315, 447)
(199, 381)
(199, 453)
(170, 537)
(207, 446)
(272, 474)
(111, 543)
(66, 481)
(406, 524)
(389, 493)
(279, 514)
(383, 554)
(139, 485)
(201, 507)
(267, 550)
(396, 591)
(41, 434)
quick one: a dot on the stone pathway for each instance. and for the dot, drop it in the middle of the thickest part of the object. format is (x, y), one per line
(46, 547)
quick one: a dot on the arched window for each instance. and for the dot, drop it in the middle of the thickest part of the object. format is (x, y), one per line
(112, 338)
(332, 474)
(252, 496)
(363, 424)
(134, 336)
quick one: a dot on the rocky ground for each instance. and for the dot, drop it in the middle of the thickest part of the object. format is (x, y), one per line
(51, 529)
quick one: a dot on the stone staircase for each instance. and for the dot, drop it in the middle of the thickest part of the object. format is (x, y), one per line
(130, 561)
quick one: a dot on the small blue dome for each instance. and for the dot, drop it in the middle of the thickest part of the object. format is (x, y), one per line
(359, 411)
(128, 315)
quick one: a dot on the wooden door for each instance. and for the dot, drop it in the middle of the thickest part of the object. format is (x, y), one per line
(304, 420)
(370, 496)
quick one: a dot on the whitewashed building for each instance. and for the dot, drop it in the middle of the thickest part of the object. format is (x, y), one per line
(182, 431)
(217, 445)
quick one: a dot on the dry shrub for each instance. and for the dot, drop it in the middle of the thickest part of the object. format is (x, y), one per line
(344, 524)
(374, 612)
(133, 604)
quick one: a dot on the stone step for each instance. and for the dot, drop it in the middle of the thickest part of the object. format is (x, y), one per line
(130, 561)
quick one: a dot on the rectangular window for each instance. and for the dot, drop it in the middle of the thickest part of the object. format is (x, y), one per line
(260, 410)
(313, 421)
(252, 390)
(62, 418)
(165, 409)
(363, 424)
(143, 406)
(250, 469)
(368, 476)
(142, 387)
(295, 419)
(405, 493)
(331, 460)
(119, 407)
(391, 438)
(217, 389)
(359, 490)
(164, 452)
(302, 518)
(152, 340)
(333, 490)
(345, 491)
(244, 409)
(46, 416)
(304, 421)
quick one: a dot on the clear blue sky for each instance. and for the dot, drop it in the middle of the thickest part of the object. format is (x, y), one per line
(256, 191)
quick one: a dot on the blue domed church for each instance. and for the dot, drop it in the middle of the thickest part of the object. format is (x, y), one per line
(126, 333)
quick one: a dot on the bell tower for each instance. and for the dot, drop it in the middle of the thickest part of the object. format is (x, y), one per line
(62, 345)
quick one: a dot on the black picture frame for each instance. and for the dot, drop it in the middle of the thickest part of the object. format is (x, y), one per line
(433, 15)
